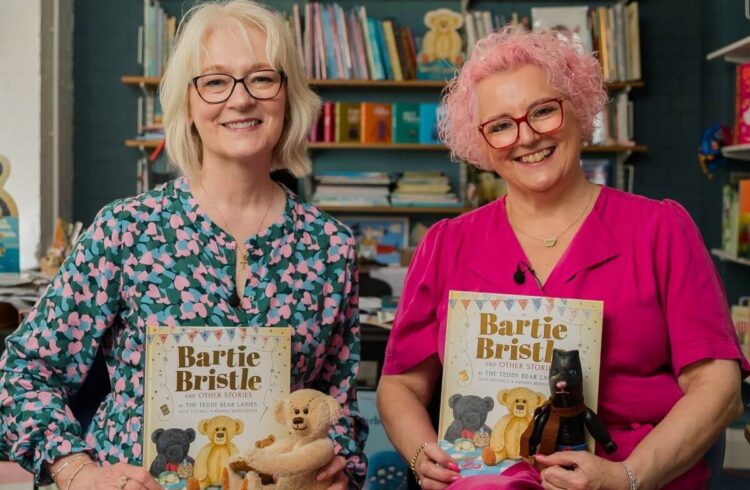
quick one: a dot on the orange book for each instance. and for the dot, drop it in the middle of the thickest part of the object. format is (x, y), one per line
(376, 123)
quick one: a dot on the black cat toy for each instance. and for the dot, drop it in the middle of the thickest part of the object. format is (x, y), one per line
(560, 423)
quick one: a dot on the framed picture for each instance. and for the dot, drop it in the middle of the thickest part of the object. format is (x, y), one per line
(380, 239)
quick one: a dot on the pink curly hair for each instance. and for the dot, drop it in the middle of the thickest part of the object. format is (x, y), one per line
(576, 75)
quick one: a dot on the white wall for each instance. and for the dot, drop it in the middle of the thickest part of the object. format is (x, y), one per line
(20, 113)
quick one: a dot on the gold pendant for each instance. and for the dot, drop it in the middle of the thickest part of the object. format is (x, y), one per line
(243, 259)
(550, 242)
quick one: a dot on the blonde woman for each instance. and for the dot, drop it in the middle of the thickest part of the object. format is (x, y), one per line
(221, 245)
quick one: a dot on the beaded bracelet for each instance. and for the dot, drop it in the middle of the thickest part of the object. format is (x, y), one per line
(413, 462)
(632, 480)
(65, 465)
(75, 473)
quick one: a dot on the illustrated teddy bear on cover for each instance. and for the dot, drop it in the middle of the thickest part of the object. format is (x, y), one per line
(293, 461)
(213, 456)
(505, 442)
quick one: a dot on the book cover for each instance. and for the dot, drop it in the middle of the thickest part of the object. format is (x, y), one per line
(380, 239)
(572, 21)
(347, 122)
(405, 123)
(596, 170)
(495, 374)
(210, 393)
(742, 105)
(428, 120)
(376, 123)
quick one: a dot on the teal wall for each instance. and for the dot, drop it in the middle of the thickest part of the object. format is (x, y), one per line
(682, 96)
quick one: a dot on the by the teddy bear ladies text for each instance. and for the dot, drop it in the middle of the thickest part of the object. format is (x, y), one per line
(237, 359)
(510, 348)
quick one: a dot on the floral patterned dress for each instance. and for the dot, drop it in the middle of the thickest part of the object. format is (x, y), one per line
(158, 259)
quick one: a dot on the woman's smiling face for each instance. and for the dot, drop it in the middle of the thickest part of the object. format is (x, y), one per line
(535, 162)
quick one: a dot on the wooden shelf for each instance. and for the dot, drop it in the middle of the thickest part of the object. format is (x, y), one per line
(135, 80)
(721, 254)
(737, 152)
(142, 143)
(135, 143)
(737, 52)
(377, 83)
(394, 210)
(614, 149)
(410, 146)
(370, 84)
(374, 146)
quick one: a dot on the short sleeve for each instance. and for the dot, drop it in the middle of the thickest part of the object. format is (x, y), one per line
(691, 293)
(414, 336)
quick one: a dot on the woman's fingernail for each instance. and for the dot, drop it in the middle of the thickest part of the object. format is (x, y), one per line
(456, 477)
(453, 466)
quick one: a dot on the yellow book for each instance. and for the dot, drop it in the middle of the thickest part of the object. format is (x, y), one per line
(210, 394)
(390, 42)
(498, 350)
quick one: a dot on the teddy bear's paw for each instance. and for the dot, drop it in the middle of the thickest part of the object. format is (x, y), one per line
(488, 456)
(238, 463)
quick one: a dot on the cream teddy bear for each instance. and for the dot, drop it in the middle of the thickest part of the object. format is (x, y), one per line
(442, 41)
(293, 461)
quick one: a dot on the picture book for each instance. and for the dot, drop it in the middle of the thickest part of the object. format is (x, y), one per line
(405, 123)
(347, 122)
(379, 239)
(498, 350)
(742, 105)
(376, 123)
(570, 20)
(210, 394)
(428, 123)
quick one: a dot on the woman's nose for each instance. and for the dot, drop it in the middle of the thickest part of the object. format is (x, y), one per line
(526, 134)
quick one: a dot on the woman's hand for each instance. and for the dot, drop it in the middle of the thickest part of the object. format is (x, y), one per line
(435, 467)
(119, 476)
(581, 470)
(335, 469)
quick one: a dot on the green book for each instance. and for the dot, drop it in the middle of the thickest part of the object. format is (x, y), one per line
(405, 123)
(347, 122)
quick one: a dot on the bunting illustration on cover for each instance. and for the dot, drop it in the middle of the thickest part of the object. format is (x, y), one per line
(495, 374)
(210, 394)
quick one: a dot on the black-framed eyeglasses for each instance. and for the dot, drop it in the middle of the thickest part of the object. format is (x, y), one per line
(544, 117)
(215, 88)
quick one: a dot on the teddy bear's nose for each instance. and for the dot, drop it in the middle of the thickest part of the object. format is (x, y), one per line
(297, 420)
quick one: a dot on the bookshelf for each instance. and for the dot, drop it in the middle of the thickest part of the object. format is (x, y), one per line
(737, 53)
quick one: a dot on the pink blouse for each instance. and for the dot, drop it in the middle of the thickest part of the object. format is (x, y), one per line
(664, 304)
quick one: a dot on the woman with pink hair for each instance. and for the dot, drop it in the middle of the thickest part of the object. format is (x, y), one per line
(670, 365)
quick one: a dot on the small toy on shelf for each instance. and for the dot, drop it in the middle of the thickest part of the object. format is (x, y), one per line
(709, 152)
(561, 422)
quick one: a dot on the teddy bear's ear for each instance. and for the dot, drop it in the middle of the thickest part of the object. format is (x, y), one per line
(191, 434)
(279, 412)
(239, 426)
(203, 426)
(334, 409)
(155, 435)
(501, 396)
(454, 399)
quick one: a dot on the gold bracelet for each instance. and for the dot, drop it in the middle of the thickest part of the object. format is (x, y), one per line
(632, 480)
(75, 473)
(413, 462)
(67, 463)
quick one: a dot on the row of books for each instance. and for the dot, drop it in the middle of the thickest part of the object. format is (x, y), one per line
(334, 44)
(155, 38)
(377, 122)
(362, 189)
(338, 44)
(736, 216)
(614, 125)
(610, 32)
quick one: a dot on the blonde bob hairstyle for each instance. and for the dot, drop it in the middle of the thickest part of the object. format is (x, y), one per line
(182, 141)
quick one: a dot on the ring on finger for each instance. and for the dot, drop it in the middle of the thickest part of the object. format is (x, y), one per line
(123, 481)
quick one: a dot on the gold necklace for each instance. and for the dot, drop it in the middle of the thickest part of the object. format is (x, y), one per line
(241, 253)
(552, 241)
